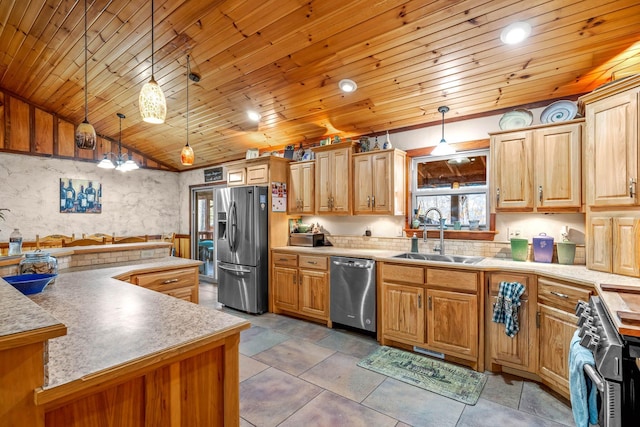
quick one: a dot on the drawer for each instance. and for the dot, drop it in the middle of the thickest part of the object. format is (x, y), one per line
(236, 176)
(523, 279)
(402, 273)
(561, 295)
(182, 293)
(258, 174)
(316, 262)
(166, 280)
(460, 280)
(290, 260)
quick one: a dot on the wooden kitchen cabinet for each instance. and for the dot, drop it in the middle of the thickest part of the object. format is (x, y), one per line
(556, 323)
(300, 285)
(379, 183)
(179, 283)
(611, 158)
(301, 188)
(453, 325)
(538, 169)
(333, 178)
(613, 244)
(519, 352)
(248, 172)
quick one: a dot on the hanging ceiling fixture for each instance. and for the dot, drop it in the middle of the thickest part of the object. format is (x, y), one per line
(153, 105)
(120, 164)
(85, 133)
(443, 148)
(186, 155)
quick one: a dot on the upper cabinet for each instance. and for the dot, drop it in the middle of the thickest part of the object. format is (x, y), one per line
(612, 144)
(333, 178)
(538, 169)
(250, 172)
(379, 183)
(301, 187)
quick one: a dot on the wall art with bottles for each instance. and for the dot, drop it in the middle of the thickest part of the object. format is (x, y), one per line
(80, 196)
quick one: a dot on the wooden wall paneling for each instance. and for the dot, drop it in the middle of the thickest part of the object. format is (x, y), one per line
(203, 376)
(99, 409)
(19, 135)
(158, 408)
(66, 139)
(43, 132)
(2, 120)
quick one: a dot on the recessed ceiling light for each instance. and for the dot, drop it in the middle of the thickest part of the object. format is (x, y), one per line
(347, 85)
(515, 33)
(254, 116)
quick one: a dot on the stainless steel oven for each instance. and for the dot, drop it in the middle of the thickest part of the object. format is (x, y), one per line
(617, 365)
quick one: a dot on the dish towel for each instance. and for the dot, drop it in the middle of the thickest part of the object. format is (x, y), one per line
(505, 309)
(584, 400)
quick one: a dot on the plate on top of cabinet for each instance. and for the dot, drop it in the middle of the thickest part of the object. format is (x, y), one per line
(516, 119)
(559, 111)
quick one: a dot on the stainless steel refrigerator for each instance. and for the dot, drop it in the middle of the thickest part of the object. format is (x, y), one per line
(242, 248)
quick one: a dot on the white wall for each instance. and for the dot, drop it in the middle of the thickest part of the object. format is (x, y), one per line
(137, 202)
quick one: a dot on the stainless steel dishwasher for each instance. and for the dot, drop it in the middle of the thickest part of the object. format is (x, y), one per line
(353, 292)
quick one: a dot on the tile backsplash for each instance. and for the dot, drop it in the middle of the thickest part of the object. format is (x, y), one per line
(457, 247)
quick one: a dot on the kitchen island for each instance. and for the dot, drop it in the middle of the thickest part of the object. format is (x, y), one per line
(130, 355)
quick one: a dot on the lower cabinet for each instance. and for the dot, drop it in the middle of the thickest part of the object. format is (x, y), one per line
(520, 351)
(613, 244)
(179, 283)
(300, 285)
(432, 308)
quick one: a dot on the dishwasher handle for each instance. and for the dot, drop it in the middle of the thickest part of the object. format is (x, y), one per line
(363, 265)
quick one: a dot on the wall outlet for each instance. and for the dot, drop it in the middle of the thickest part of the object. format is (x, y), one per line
(513, 232)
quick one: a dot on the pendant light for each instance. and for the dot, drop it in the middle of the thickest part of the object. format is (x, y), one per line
(85, 133)
(186, 155)
(152, 103)
(443, 148)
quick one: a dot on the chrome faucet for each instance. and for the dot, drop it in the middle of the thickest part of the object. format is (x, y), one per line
(441, 221)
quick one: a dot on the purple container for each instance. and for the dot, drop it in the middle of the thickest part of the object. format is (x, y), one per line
(542, 248)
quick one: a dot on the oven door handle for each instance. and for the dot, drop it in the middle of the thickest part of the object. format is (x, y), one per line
(595, 377)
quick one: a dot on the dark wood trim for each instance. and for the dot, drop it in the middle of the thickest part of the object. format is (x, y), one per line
(56, 143)
(454, 234)
(32, 128)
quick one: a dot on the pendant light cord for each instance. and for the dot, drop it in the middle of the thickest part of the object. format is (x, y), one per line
(188, 74)
(152, 47)
(442, 127)
(120, 140)
(86, 98)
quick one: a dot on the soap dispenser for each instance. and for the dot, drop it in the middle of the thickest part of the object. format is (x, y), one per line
(414, 243)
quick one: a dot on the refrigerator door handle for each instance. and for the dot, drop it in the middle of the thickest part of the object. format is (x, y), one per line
(233, 226)
(234, 270)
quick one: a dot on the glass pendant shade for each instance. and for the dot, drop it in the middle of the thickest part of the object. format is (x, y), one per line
(153, 105)
(105, 163)
(186, 155)
(85, 136)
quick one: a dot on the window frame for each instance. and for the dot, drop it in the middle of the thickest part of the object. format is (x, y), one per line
(416, 192)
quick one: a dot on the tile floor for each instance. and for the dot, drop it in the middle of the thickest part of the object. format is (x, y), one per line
(296, 373)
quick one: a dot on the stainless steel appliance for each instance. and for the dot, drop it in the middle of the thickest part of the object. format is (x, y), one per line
(353, 292)
(616, 374)
(242, 248)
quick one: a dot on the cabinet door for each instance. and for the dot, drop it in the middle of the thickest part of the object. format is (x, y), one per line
(236, 176)
(382, 198)
(307, 188)
(323, 182)
(558, 167)
(556, 330)
(626, 246)
(612, 150)
(285, 288)
(599, 245)
(363, 184)
(294, 204)
(520, 351)
(452, 322)
(513, 171)
(257, 174)
(314, 293)
(403, 313)
(342, 183)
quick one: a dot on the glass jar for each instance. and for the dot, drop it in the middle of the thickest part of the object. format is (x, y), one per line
(38, 262)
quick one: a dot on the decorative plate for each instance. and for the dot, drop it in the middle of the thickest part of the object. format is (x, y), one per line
(559, 111)
(516, 119)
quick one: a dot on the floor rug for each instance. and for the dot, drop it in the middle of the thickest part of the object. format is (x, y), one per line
(446, 379)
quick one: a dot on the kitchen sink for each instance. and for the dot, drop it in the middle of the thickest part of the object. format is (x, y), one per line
(462, 259)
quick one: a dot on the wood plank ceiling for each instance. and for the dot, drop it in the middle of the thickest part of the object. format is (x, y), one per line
(284, 59)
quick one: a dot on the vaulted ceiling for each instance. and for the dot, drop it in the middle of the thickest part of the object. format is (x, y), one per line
(284, 58)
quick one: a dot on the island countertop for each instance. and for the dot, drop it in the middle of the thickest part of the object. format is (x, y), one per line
(112, 324)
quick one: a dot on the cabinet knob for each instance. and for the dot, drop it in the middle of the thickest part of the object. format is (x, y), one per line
(368, 201)
(540, 193)
(429, 303)
(373, 201)
(166, 282)
(632, 185)
(558, 294)
(497, 196)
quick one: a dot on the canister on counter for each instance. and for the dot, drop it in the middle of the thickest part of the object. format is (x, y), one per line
(38, 262)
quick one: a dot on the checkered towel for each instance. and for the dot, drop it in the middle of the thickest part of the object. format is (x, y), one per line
(505, 309)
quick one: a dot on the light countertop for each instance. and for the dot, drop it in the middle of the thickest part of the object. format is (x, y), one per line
(111, 323)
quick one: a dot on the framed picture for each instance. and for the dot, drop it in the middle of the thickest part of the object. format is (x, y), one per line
(80, 196)
(252, 153)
